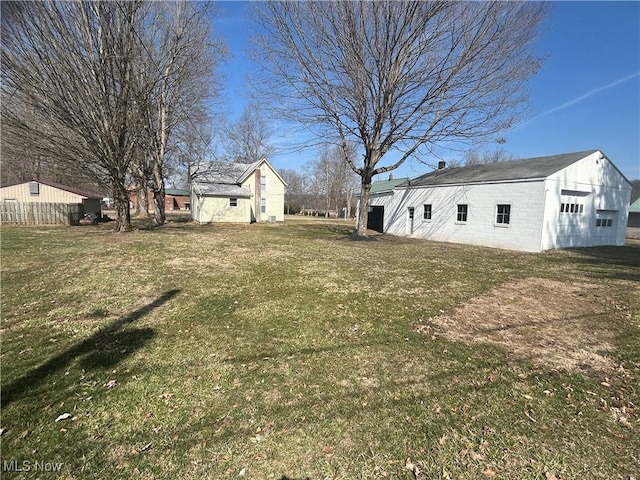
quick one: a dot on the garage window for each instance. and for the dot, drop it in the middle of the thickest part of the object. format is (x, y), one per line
(34, 188)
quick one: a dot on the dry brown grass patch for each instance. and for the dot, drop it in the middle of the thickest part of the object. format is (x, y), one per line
(562, 325)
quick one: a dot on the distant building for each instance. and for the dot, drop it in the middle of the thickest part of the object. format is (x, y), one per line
(238, 192)
(174, 199)
(634, 214)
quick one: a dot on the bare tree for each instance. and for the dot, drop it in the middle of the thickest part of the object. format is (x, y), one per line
(396, 75)
(176, 72)
(294, 192)
(71, 65)
(248, 137)
(105, 86)
(476, 157)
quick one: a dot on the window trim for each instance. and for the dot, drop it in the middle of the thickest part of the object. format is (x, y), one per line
(34, 189)
(427, 214)
(462, 211)
(263, 205)
(263, 183)
(502, 224)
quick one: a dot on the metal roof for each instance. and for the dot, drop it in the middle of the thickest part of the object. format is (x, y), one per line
(226, 172)
(221, 190)
(177, 192)
(530, 168)
(386, 185)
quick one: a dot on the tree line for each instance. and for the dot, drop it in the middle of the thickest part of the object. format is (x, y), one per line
(120, 91)
(114, 92)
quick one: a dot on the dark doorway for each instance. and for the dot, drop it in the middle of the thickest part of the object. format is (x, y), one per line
(375, 219)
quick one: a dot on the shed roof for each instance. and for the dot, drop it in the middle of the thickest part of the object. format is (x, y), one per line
(385, 185)
(530, 168)
(635, 207)
(221, 190)
(229, 173)
(60, 186)
(177, 192)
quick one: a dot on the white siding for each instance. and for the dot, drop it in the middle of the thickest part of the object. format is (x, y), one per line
(596, 183)
(595, 193)
(522, 233)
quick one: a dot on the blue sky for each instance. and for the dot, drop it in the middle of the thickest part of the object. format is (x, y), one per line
(586, 96)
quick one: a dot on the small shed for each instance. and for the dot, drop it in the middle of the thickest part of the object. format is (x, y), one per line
(634, 215)
(44, 191)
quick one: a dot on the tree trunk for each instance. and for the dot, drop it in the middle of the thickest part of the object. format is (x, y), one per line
(159, 216)
(142, 201)
(123, 214)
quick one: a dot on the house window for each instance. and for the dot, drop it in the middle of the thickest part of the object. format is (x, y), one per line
(34, 188)
(263, 205)
(462, 213)
(503, 216)
(427, 212)
(233, 202)
(263, 183)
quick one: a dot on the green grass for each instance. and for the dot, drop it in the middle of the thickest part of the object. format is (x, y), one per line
(289, 352)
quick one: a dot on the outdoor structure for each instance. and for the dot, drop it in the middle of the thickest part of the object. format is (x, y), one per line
(379, 187)
(238, 192)
(40, 191)
(634, 214)
(571, 200)
(174, 199)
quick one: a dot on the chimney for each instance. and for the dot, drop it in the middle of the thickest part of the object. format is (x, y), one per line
(441, 164)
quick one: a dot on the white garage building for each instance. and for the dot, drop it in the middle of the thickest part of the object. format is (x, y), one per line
(571, 200)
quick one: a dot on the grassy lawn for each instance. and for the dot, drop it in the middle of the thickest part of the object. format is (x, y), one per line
(292, 352)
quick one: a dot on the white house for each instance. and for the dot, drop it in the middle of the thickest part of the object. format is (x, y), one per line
(238, 192)
(571, 200)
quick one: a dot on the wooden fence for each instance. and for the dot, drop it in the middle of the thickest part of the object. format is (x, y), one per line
(23, 213)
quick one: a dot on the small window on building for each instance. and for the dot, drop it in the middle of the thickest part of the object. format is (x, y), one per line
(604, 218)
(263, 183)
(34, 188)
(263, 205)
(503, 216)
(233, 202)
(462, 213)
(427, 212)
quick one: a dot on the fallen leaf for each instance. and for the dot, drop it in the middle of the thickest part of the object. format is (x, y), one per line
(64, 416)
(243, 472)
(489, 472)
(412, 467)
(550, 476)
(111, 384)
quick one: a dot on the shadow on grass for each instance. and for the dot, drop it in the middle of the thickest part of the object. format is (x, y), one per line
(103, 349)
(625, 260)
